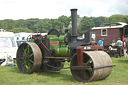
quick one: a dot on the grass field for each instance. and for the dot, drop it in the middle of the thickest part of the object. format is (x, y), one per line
(12, 76)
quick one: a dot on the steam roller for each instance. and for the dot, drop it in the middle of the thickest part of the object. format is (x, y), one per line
(88, 61)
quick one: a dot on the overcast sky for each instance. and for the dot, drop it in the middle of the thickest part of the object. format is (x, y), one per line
(25, 9)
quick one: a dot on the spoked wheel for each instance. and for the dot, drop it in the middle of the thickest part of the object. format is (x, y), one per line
(29, 58)
(95, 66)
(84, 74)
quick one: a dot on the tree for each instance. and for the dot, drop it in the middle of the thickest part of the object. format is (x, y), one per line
(86, 23)
(21, 23)
(44, 25)
(30, 24)
(64, 20)
(126, 19)
(100, 20)
(56, 24)
(7, 24)
(117, 18)
(39, 25)
(17, 30)
(47, 25)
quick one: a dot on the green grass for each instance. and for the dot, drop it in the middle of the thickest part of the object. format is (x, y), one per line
(12, 76)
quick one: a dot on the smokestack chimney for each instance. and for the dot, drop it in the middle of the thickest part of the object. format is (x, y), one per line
(74, 24)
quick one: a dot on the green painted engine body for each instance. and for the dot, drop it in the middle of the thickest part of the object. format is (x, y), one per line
(58, 45)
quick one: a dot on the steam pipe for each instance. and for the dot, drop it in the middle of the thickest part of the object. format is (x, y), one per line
(74, 24)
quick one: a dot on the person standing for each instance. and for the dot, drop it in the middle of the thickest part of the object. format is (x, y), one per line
(101, 42)
(119, 45)
(125, 49)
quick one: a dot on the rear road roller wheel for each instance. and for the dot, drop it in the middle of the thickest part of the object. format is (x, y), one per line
(29, 58)
(97, 65)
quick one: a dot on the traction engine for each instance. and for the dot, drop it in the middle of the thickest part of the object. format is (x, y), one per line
(88, 61)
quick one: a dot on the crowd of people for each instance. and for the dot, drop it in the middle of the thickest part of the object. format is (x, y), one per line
(115, 45)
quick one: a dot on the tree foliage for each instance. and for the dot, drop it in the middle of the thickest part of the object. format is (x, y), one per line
(86, 23)
(100, 20)
(117, 18)
(63, 22)
(17, 30)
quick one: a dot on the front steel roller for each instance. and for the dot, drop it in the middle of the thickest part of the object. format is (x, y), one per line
(97, 65)
(29, 58)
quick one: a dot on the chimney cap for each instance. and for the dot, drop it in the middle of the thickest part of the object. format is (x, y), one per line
(73, 9)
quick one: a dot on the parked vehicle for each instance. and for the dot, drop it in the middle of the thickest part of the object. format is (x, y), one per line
(19, 42)
(8, 47)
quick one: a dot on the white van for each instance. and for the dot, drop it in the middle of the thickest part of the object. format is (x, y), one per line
(8, 47)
